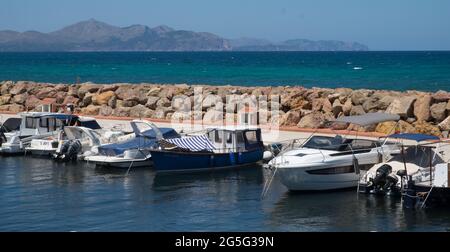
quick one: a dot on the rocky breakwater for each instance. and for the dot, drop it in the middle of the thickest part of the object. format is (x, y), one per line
(420, 112)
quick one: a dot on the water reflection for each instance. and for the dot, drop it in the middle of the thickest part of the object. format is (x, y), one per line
(41, 195)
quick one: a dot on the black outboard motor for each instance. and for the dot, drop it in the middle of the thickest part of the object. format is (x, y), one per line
(69, 151)
(381, 175)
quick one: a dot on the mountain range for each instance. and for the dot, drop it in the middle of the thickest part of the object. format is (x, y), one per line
(93, 35)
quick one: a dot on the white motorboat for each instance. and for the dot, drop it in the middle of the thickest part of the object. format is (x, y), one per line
(81, 142)
(48, 144)
(33, 125)
(416, 161)
(332, 162)
(133, 152)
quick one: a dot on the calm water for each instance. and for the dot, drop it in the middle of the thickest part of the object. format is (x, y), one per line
(40, 195)
(379, 70)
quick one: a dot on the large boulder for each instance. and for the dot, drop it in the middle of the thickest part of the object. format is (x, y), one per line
(211, 101)
(347, 108)
(122, 111)
(46, 92)
(154, 91)
(213, 116)
(423, 127)
(441, 96)
(357, 110)
(162, 112)
(70, 100)
(402, 106)
(359, 97)
(372, 104)
(13, 108)
(439, 111)
(314, 120)
(337, 108)
(388, 127)
(87, 88)
(384, 102)
(163, 103)
(90, 110)
(422, 108)
(19, 88)
(106, 88)
(135, 93)
(445, 124)
(181, 103)
(152, 102)
(5, 99)
(291, 118)
(105, 110)
(6, 86)
(32, 102)
(102, 98)
(141, 111)
(20, 98)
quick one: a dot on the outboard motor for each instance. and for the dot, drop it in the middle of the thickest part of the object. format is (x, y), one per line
(384, 181)
(69, 150)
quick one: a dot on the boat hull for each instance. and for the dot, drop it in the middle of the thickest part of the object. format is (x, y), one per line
(170, 161)
(119, 162)
(298, 179)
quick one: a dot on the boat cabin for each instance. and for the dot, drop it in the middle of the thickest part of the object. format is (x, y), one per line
(36, 123)
(232, 139)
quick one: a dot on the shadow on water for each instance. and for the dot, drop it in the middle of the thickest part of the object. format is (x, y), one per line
(170, 181)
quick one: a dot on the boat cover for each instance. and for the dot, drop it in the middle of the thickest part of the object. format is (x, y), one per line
(369, 118)
(414, 137)
(145, 140)
(196, 143)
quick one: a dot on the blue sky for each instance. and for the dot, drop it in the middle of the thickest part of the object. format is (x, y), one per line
(381, 24)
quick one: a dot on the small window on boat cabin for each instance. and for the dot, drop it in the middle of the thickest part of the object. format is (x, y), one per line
(359, 144)
(30, 123)
(240, 138)
(251, 137)
(229, 137)
(218, 136)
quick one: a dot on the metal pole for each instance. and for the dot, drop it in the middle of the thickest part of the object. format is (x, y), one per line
(404, 159)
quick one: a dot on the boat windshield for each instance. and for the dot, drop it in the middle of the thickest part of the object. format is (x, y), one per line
(338, 143)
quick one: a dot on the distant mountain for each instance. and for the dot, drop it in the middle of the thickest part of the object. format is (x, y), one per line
(93, 35)
(305, 45)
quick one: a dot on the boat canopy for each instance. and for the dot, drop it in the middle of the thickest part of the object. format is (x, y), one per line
(369, 118)
(146, 139)
(196, 143)
(414, 137)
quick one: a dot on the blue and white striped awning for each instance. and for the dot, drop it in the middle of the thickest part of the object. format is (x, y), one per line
(196, 143)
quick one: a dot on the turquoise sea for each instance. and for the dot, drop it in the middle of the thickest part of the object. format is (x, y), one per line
(421, 70)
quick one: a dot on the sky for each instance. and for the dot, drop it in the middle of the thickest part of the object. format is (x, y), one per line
(380, 24)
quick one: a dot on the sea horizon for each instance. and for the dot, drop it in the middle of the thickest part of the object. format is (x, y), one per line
(379, 70)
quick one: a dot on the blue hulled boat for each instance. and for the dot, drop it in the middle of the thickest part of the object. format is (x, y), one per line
(219, 148)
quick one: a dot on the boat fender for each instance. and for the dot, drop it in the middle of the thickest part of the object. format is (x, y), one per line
(267, 156)
(240, 158)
